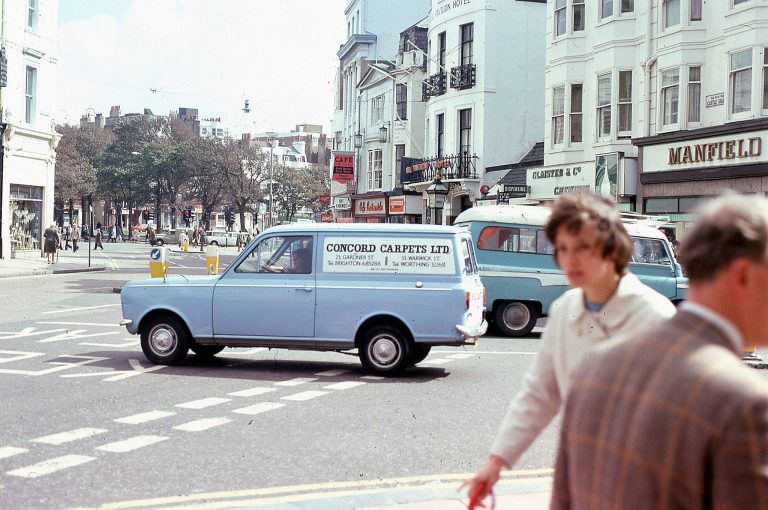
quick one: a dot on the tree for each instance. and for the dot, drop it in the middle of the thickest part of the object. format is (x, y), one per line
(300, 188)
(75, 175)
(247, 172)
(205, 162)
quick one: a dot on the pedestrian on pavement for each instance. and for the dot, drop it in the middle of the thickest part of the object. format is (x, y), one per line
(67, 236)
(50, 243)
(151, 235)
(120, 234)
(97, 243)
(112, 234)
(75, 237)
(592, 248)
(240, 241)
(672, 418)
(60, 232)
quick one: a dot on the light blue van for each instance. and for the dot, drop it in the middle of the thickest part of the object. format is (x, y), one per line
(520, 274)
(389, 291)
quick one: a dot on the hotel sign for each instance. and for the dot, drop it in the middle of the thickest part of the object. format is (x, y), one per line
(707, 153)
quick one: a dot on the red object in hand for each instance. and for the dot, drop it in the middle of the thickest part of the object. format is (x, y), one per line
(476, 496)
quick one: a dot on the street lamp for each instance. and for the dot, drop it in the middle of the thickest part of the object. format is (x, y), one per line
(358, 140)
(383, 134)
(436, 194)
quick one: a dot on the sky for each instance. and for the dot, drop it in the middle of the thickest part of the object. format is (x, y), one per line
(206, 54)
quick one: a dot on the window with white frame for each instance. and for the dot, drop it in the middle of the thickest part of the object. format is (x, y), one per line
(31, 94)
(670, 96)
(765, 78)
(604, 105)
(695, 10)
(441, 51)
(694, 94)
(558, 115)
(741, 81)
(440, 121)
(627, 6)
(401, 100)
(33, 14)
(374, 169)
(739, 2)
(575, 120)
(625, 101)
(670, 10)
(606, 8)
(577, 10)
(377, 109)
(467, 33)
(560, 17)
(465, 131)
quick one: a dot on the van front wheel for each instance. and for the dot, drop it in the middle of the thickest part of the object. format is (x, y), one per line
(384, 350)
(516, 318)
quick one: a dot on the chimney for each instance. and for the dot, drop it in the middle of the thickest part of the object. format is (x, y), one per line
(115, 111)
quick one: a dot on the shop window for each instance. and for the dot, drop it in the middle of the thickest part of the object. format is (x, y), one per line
(670, 96)
(606, 175)
(670, 13)
(695, 10)
(575, 120)
(661, 205)
(625, 102)
(558, 115)
(560, 17)
(26, 212)
(694, 94)
(577, 10)
(741, 81)
(604, 105)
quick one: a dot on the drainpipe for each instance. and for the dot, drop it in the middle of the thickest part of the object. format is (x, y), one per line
(648, 64)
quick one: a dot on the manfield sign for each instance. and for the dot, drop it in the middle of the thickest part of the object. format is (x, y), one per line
(707, 152)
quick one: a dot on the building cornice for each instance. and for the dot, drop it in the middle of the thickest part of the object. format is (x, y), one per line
(741, 126)
(353, 41)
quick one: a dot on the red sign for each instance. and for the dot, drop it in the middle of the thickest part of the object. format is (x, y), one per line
(373, 206)
(397, 205)
(344, 220)
(325, 199)
(343, 167)
(326, 218)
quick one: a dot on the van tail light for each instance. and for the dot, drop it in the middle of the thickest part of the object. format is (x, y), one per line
(468, 295)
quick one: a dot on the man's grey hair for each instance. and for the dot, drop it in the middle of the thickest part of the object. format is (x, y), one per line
(730, 227)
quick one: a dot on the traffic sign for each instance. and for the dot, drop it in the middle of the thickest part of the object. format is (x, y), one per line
(155, 254)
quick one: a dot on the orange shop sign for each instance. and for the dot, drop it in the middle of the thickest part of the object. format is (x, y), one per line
(371, 207)
(397, 205)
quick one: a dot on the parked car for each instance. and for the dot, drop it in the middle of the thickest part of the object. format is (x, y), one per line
(391, 291)
(220, 238)
(520, 274)
(170, 236)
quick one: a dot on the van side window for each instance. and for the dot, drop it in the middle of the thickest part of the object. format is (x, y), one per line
(523, 240)
(649, 251)
(290, 254)
(468, 257)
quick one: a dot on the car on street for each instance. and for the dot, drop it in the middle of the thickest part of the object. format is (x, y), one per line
(390, 291)
(220, 238)
(169, 236)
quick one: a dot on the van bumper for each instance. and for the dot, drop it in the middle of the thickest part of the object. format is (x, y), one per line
(471, 333)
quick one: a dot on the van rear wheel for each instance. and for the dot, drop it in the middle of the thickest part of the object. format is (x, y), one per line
(515, 318)
(384, 350)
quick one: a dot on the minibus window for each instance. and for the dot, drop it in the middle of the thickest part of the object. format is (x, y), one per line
(649, 251)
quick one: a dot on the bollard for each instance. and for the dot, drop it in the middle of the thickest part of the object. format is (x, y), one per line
(212, 259)
(158, 262)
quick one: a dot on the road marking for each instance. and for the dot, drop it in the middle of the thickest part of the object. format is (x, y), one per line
(251, 392)
(64, 365)
(130, 343)
(332, 373)
(461, 355)
(68, 437)
(515, 353)
(246, 352)
(75, 335)
(314, 491)
(259, 408)
(10, 451)
(136, 369)
(99, 324)
(373, 377)
(345, 385)
(136, 419)
(200, 425)
(203, 403)
(81, 308)
(295, 382)
(304, 395)
(27, 332)
(436, 361)
(131, 444)
(19, 355)
(50, 466)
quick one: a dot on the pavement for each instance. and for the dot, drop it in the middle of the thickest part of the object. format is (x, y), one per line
(32, 264)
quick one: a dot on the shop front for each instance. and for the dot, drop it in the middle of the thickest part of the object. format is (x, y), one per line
(405, 207)
(342, 208)
(26, 217)
(370, 208)
(680, 170)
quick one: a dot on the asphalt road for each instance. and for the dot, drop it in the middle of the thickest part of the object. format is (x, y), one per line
(87, 420)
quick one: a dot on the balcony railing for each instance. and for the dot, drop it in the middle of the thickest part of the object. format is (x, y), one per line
(435, 85)
(456, 166)
(463, 77)
(352, 187)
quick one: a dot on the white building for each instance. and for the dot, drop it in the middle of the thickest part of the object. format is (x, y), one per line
(485, 91)
(373, 34)
(213, 128)
(657, 103)
(27, 103)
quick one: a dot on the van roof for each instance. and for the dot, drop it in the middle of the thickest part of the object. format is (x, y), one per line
(366, 227)
(538, 216)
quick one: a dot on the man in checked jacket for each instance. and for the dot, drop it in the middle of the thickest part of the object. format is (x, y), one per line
(672, 419)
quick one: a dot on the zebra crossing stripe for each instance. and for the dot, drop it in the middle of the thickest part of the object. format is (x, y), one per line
(50, 466)
(68, 437)
(131, 444)
(10, 451)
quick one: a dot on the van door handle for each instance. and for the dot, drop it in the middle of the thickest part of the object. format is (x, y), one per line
(305, 289)
(419, 285)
